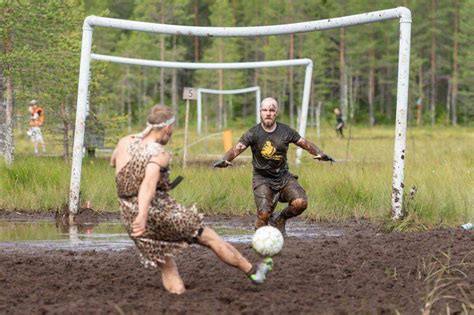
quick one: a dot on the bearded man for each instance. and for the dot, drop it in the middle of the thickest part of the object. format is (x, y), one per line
(272, 182)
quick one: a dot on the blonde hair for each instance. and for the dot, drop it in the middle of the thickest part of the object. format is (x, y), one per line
(159, 114)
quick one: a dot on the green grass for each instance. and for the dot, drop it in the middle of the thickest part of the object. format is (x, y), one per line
(439, 162)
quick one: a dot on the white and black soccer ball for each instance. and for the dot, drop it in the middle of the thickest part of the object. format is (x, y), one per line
(267, 241)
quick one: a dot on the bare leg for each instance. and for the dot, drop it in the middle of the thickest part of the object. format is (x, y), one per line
(170, 276)
(226, 252)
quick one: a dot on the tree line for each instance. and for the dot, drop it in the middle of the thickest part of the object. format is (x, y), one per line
(355, 68)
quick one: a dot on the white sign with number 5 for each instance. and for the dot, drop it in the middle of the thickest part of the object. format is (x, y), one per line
(189, 93)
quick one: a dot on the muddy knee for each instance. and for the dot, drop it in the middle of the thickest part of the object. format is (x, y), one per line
(299, 203)
(262, 218)
(297, 207)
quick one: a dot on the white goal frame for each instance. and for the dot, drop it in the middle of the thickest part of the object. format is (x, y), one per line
(401, 13)
(200, 91)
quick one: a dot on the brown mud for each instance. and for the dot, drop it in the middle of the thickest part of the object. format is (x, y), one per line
(363, 271)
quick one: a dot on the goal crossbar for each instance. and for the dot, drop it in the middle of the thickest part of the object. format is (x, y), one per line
(227, 65)
(401, 13)
(200, 91)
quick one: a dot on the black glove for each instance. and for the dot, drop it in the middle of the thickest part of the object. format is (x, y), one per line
(324, 157)
(221, 164)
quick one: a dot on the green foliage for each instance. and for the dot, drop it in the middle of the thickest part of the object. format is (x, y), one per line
(41, 50)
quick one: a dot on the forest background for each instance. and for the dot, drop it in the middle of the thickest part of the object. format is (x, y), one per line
(354, 68)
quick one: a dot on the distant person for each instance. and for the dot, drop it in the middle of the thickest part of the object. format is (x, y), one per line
(272, 182)
(339, 122)
(159, 225)
(419, 111)
(36, 122)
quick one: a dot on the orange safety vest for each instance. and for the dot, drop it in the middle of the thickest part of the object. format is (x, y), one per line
(37, 122)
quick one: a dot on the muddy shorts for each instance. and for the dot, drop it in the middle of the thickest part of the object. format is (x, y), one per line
(267, 198)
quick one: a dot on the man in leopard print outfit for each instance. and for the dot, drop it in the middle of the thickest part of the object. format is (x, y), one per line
(158, 224)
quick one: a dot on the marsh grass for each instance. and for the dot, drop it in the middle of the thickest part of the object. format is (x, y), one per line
(438, 161)
(445, 281)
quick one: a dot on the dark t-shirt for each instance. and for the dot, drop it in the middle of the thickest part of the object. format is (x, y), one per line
(339, 118)
(269, 150)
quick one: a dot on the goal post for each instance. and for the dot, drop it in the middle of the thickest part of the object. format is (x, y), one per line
(401, 13)
(230, 65)
(200, 91)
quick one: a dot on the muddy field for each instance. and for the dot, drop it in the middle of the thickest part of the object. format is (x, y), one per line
(362, 271)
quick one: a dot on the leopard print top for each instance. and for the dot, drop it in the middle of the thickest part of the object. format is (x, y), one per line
(130, 177)
(170, 225)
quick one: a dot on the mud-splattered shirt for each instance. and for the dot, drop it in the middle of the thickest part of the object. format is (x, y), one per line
(269, 150)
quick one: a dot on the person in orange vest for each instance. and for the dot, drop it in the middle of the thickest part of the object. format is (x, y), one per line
(36, 122)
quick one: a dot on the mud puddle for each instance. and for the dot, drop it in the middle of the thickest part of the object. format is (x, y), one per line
(112, 236)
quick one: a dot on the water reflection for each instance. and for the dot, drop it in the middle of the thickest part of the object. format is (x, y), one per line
(111, 235)
(73, 233)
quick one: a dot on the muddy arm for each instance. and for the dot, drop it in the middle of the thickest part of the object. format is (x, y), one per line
(230, 155)
(314, 150)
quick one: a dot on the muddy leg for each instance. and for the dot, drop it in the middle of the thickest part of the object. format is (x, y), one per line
(262, 218)
(295, 208)
(226, 252)
(297, 200)
(266, 202)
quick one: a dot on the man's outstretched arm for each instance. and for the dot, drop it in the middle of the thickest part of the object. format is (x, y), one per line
(313, 150)
(230, 155)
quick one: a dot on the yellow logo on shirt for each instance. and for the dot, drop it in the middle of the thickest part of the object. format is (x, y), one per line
(268, 152)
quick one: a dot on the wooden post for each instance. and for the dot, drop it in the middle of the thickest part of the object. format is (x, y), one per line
(188, 94)
(186, 123)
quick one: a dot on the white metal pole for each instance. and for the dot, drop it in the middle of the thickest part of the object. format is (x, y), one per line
(197, 66)
(199, 111)
(251, 31)
(82, 94)
(401, 117)
(304, 107)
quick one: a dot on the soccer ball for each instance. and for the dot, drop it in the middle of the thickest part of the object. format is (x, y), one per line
(267, 241)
